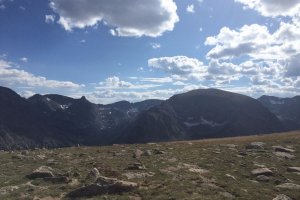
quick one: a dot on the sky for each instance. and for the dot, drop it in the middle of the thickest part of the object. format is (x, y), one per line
(111, 50)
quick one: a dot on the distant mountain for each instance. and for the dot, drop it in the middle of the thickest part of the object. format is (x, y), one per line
(286, 109)
(200, 114)
(56, 121)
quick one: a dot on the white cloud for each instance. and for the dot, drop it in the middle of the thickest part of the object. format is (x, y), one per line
(49, 19)
(127, 18)
(153, 80)
(155, 45)
(180, 67)
(24, 59)
(12, 76)
(190, 8)
(115, 82)
(273, 8)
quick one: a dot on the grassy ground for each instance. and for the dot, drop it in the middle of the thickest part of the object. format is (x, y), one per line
(205, 169)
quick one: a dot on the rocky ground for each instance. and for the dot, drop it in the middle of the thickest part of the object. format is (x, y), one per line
(256, 167)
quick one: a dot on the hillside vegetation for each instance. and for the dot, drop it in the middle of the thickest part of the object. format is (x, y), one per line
(254, 167)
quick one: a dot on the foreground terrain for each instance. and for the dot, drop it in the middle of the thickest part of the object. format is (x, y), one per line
(255, 167)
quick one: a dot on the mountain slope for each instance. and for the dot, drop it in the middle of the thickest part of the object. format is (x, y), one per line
(203, 114)
(286, 109)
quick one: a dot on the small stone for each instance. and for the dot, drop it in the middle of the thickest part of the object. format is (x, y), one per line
(282, 197)
(41, 172)
(283, 149)
(293, 169)
(136, 166)
(148, 153)
(284, 155)
(131, 175)
(230, 176)
(290, 186)
(262, 171)
(103, 185)
(256, 145)
(158, 151)
(262, 178)
(58, 179)
(138, 153)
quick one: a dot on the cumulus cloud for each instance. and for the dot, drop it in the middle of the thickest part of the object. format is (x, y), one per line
(126, 17)
(190, 8)
(24, 59)
(180, 67)
(155, 45)
(115, 82)
(273, 8)
(10, 76)
(49, 19)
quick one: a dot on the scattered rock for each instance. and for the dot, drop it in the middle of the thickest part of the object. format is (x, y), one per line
(282, 197)
(137, 153)
(284, 155)
(8, 189)
(131, 175)
(227, 195)
(94, 173)
(256, 145)
(198, 170)
(103, 185)
(158, 151)
(283, 149)
(58, 179)
(263, 178)
(147, 153)
(290, 186)
(293, 169)
(136, 166)
(262, 171)
(41, 172)
(230, 176)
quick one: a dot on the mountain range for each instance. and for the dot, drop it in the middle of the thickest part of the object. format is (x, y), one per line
(58, 121)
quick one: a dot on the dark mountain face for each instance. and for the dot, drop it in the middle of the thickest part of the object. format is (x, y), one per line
(286, 109)
(203, 114)
(56, 121)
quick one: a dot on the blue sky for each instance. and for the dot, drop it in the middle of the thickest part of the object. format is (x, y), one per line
(139, 49)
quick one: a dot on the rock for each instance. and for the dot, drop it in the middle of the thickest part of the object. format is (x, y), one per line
(283, 149)
(147, 153)
(103, 185)
(284, 155)
(262, 171)
(282, 197)
(41, 172)
(58, 179)
(137, 153)
(8, 189)
(158, 151)
(256, 145)
(230, 176)
(293, 169)
(290, 186)
(198, 170)
(227, 195)
(94, 173)
(131, 175)
(136, 166)
(262, 178)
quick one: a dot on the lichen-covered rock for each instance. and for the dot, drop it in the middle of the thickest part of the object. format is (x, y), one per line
(282, 197)
(262, 171)
(103, 185)
(41, 172)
